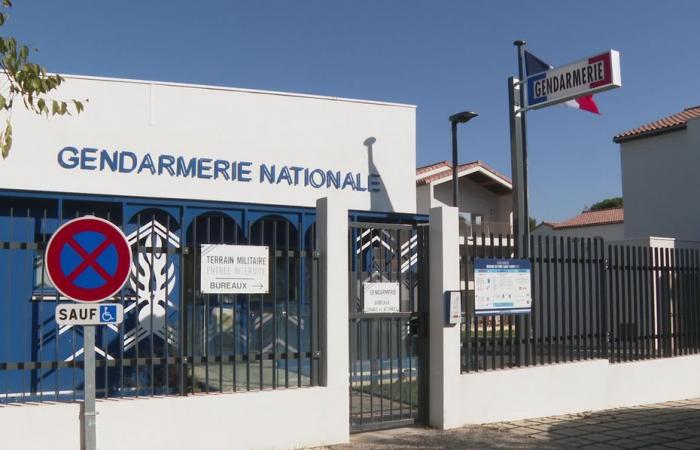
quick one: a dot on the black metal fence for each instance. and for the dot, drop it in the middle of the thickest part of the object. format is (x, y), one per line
(590, 301)
(174, 340)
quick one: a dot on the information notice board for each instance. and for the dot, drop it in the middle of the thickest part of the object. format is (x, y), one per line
(502, 286)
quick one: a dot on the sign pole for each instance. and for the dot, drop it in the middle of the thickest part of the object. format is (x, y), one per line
(89, 413)
(595, 74)
(522, 243)
(516, 159)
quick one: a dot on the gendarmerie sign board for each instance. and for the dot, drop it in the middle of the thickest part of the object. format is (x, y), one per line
(381, 297)
(588, 76)
(235, 269)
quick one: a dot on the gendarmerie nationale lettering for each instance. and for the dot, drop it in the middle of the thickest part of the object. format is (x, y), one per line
(128, 162)
(569, 80)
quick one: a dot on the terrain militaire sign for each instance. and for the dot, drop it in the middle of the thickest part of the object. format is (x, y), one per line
(588, 76)
(235, 269)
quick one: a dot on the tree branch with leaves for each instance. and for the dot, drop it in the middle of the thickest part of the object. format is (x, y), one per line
(30, 82)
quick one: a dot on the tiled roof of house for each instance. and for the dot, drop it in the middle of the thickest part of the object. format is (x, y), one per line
(591, 218)
(673, 122)
(443, 170)
(431, 167)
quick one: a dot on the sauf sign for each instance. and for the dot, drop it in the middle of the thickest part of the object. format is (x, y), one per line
(588, 76)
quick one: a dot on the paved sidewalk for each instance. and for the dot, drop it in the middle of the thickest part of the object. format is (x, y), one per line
(671, 425)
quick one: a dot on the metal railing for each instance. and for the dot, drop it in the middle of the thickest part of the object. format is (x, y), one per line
(590, 300)
(174, 340)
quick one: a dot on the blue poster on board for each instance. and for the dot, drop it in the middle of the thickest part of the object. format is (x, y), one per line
(502, 286)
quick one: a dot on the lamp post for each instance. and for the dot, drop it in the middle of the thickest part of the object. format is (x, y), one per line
(462, 117)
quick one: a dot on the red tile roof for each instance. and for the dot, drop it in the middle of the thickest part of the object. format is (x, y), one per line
(592, 218)
(673, 122)
(425, 169)
(446, 171)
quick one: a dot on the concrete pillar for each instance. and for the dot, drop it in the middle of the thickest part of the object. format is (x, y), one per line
(444, 339)
(332, 245)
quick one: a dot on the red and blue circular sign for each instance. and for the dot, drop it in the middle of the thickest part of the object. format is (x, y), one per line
(88, 259)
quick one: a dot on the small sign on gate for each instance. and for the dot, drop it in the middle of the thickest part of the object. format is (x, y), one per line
(235, 269)
(381, 297)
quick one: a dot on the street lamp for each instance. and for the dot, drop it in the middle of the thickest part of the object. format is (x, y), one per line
(462, 117)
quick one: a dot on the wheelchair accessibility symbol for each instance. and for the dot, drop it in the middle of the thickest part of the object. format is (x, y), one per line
(108, 313)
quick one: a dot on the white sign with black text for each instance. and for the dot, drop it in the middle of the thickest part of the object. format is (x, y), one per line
(588, 76)
(235, 269)
(89, 314)
(381, 297)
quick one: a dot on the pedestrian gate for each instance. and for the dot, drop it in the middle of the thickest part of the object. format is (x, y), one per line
(388, 331)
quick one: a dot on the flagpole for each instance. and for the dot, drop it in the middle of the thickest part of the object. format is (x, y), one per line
(523, 219)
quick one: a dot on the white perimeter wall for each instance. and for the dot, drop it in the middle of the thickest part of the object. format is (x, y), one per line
(292, 418)
(569, 388)
(319, 416)
(39, 427)
(283, 419)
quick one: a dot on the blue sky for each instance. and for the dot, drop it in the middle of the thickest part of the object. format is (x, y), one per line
(444, 56)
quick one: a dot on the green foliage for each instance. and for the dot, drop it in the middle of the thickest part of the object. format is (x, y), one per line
(533, 223)
(608, 203)
(30, 82)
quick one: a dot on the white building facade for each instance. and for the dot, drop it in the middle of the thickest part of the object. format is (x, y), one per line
(660, 182)
(485, 196)
(177, 167)
(177, 141)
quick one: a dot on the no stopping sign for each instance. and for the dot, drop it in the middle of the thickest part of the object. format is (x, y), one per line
(88, 259)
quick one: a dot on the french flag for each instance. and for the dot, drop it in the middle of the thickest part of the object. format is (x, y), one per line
(534, 65)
